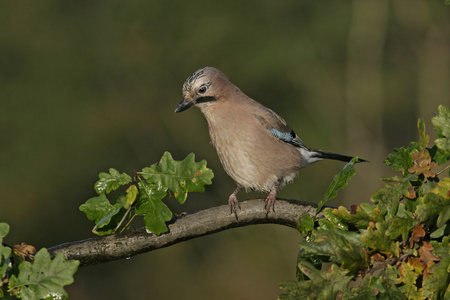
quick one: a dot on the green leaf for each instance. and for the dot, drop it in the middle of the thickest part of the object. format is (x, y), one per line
(322, 285)
(111, 181)
(442, 249)
(325, 224)
(423, 137)
(408, 276)
(362, 292)
(403, 184)
(401, 159)
(305, 224)
(105, 221)
(380, 287)
(335, 219)
(315, 261)
(439, 156)
(361, 218)
(155, 212)
(45, 278)
(341, 246)
(340, 181)
(436, 284)
(442, 123)
(387, 199)
(98, 207)
(438, 232)
(180, 177)
(103, 213)
(443, 144)
(5, 252)
(376, 238)
(4, 230)
(400, 226)
(436, 202)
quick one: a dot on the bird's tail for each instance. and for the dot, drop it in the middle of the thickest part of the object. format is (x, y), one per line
(328, 155)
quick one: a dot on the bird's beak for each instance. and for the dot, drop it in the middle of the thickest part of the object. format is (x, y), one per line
(183, 105)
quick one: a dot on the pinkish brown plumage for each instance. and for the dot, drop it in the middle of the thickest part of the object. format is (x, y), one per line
(256, 147)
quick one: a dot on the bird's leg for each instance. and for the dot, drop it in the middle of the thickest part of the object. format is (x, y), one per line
(270, 200)
(233, 201)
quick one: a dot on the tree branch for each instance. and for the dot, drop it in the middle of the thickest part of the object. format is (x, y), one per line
(118, 246)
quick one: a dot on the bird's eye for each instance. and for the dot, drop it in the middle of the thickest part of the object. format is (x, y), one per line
(202, 90)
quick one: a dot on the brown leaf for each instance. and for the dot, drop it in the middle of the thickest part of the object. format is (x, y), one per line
(422, 164)
(416, 234)
(353, 209)
(427, 257)
(411, 192)
(377, 257)
(425, 253)
(25, 251)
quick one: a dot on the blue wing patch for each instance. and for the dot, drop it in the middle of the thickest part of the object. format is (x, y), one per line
(288, 137)
(284, 136)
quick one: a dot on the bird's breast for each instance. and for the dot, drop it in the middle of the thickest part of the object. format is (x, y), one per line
(249, 153)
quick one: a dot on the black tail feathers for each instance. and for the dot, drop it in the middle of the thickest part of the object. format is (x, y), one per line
(335, 156)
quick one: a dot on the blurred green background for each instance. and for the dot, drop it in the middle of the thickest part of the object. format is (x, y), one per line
(88, 85)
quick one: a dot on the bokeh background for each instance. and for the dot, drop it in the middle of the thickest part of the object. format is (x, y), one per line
(89, 85)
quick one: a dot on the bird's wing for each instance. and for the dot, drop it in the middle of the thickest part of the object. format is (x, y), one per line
(277, 126)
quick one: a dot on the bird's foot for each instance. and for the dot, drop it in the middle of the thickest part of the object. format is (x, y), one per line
(233, 202)
(270, 200)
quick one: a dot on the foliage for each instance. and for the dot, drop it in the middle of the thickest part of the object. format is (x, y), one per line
(340, 181)
(26, 274)
(396, 248)
(144, 194)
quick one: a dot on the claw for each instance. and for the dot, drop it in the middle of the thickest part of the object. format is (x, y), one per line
(233, 202)
(270, 200)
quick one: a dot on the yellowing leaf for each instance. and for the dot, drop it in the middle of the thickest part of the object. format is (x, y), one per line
(423, 164)
(131, 195)
(408, 277)
(417, 264)
(377, 239)
(364, 214)
(436, 202)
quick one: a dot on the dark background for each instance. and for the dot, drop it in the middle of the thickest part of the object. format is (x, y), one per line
(89, 85)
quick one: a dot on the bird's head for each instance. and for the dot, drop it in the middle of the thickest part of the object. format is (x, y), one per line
(201, 88)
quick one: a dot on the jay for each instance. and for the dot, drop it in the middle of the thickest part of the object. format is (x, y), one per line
(256, 147)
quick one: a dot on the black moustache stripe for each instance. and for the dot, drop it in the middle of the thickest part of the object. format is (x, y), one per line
(205, 99)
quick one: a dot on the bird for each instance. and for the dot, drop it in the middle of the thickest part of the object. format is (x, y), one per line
(256, 146)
